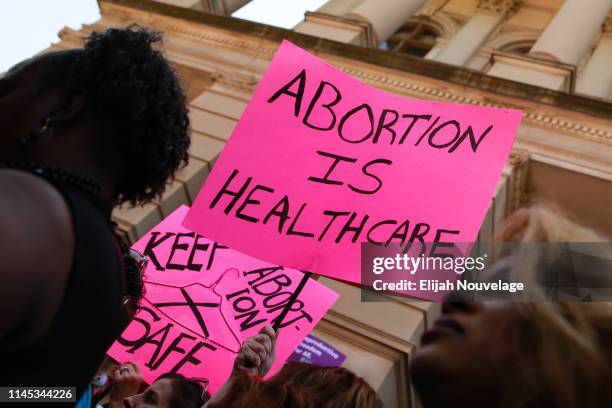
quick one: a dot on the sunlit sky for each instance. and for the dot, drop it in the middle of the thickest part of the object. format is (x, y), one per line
(28, 27)
(280, 13)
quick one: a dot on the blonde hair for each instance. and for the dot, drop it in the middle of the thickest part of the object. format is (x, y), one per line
(545, 223)
(570, 355)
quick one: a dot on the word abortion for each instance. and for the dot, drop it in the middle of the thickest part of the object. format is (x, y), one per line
(256, 204)
(270, 288)
(389, 126)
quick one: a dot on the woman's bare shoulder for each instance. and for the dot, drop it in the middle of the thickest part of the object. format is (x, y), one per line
(36, 249)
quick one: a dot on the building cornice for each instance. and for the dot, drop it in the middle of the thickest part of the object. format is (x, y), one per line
(375, 67)
(423, 67)
(368, 37)
(247, 83)
(517, 196)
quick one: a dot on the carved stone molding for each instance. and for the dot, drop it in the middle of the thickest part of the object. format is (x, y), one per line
(239, 82)
(69, 35)
(431, 7)
(508, 37)
(517, 197)
(503, 8)
(356, 24)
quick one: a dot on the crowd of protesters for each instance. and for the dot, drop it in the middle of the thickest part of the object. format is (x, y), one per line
(295, 385)
(89, 129)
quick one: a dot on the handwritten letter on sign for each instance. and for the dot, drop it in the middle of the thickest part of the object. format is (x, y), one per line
(320, 162)
(203, 300)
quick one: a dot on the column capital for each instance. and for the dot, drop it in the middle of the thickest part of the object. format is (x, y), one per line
(346, 29)
(503, 8)
(234, 80)
(431, 7)
(222, 7)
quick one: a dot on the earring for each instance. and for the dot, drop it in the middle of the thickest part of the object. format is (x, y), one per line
(34, 135)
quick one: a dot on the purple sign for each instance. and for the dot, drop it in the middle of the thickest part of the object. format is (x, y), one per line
(315, 351)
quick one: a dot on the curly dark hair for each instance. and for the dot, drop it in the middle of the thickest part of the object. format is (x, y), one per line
(134, 272)
(136, 101)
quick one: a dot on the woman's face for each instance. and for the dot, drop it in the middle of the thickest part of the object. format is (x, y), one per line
(25, 102)
(158, 394)
(22, 107)
(468, 354)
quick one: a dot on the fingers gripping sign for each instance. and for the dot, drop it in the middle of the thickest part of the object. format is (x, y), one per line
(257, 354)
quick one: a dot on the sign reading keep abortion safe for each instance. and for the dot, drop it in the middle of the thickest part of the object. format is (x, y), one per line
(203, 300)
(320, 162)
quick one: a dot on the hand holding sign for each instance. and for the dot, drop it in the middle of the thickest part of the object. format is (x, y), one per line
(258, 353)
(319, 163)
(204, 300)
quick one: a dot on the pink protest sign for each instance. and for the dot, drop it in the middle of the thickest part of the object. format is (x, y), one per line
(204, 300)
(320, 162)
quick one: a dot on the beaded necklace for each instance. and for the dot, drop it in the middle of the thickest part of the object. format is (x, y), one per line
(83, 183)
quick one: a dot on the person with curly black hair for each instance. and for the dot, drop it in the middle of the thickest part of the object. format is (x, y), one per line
(82, 131)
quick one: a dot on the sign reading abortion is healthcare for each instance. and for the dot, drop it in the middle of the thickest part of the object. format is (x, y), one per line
(320, 162)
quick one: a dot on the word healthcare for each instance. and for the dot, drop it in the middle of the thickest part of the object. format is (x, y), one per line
(256, 203)
(320, 163)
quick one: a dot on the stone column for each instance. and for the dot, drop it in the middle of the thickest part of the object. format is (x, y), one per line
(330, 22)
(190, 4)
(337, 28)
(564, 42)
(571, 32)
(596, 79)
(489, 14)
(386, 16)
(361, 22)
(338, 7)
(229, 6)
(220, 7)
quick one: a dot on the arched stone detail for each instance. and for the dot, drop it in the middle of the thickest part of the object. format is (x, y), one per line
(444, 25)
(506, 39)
